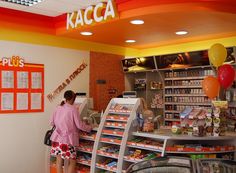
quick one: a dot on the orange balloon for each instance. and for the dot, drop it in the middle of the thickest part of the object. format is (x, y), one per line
(211, 86)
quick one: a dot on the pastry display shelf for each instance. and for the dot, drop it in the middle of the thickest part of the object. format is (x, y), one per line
(185, 78)
(183, 86)
(187, 103)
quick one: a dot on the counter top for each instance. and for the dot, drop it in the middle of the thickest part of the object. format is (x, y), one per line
(167, 134)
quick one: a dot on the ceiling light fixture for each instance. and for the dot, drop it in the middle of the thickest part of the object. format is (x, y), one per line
(130, 41)
(137, 22)
(23, 2)
(181, 32)
(86, 33)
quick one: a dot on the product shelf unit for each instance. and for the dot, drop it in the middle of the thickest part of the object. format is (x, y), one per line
(152, 90)
(112, 135)
(183, 89)
(214, 145)
(86, 147)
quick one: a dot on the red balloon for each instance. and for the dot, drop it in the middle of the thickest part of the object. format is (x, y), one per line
(226, 74)
(211, 86)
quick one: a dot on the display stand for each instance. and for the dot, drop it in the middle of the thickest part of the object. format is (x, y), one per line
(216, 145)
(114, 129)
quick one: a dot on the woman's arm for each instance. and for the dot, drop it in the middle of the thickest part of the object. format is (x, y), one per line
(80, 124)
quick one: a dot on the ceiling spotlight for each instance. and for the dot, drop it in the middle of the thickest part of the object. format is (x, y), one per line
(24, 2)
(181, 32)
(86, 33)
(137, 22)
(130, 41)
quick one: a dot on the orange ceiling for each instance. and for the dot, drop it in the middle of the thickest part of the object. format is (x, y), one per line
(203, 19)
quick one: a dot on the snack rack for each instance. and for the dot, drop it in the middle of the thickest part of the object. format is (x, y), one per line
(112, 135)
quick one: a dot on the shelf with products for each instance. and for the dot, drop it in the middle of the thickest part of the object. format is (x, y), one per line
(113, 131)
(85, 146)
(137, 155)
(108, 164)
(84, 159)
(183, 88)
(184, 78)
(153, 93)
(211, 146)
(88, 136)
(109, 151)
(112, 134)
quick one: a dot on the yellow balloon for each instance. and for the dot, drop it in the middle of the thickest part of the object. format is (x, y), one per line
(217, 54)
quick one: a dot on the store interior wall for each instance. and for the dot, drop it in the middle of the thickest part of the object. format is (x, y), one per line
(22, 149)
(106, 78)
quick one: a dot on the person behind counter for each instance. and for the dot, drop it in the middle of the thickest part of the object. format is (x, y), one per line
(65, 137)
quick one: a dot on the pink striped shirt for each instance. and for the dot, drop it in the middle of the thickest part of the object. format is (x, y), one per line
(66, 118)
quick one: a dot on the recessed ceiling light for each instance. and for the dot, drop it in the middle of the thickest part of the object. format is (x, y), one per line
(23, 2)
(130, 41)
(86, 33)
(137, 22)
(181, 32)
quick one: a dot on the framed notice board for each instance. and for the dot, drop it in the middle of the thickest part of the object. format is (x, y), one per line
(21, 86)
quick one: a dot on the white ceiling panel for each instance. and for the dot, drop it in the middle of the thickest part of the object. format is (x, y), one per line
(52, 7)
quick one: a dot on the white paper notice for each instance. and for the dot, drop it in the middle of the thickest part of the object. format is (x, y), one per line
(36, 78)
(36, 101)
(7, 101)
(22, 101)
(7, 79)
(22, 79)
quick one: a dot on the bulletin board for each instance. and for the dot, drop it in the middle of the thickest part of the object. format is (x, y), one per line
(21, 88)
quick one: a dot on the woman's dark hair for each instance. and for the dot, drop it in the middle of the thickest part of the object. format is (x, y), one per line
(68, 95)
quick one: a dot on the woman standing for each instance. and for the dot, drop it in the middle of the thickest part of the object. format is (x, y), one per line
(65, 137)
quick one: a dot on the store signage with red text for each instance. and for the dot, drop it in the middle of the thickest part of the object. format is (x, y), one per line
(101, 12)
(14, 61)
(66, 82)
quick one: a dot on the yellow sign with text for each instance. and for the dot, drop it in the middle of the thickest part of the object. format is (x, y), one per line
(101, 12)
(220, 104)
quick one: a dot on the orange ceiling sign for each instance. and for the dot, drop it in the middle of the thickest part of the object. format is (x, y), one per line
(101, 12)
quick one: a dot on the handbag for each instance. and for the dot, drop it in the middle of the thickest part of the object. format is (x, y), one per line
(47, 140)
